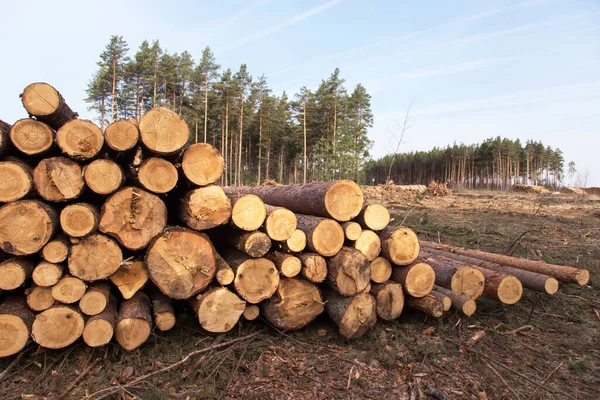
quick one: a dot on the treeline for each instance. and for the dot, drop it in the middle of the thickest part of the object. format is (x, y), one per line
(314, 135)
(496, 163)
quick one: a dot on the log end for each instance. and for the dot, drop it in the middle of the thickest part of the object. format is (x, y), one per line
(551, 286)
(13, 273)
(420, 280)
(80, 139)
(158, 175)
(360, 316)
(103, 176)
(40, 99)
(251, 312)
(248, 212)
(390, 301)
(219, 310)
(369, 244)
(256, 280)
(16, 181)
(98, 332)
(131, 333)
(376, 217)
(469, 307)
(468, 281)
(510, 290)
(122, 135)
(202, 164)
(381, 270)
(403, 246)
(352, 230)
(163, 132)
(344, 200)
(297, 242)
(44, 331)
(280, 224)
(14, 334)
(583, 277)
(327, 237)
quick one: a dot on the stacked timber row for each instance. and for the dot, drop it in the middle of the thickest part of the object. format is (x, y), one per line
(109, 235)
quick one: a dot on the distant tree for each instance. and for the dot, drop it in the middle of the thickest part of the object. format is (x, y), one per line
(571, 172)
(98, 91)
(205, 73)
(113, 60)
(242, 81)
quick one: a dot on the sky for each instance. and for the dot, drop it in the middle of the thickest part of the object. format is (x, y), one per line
(527, 69)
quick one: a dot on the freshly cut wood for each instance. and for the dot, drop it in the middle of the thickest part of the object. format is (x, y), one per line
(225, 274)
(31, 137)
(163, 132)
(280, 223)
(134, 322)
(56, 250)
(459, 302)
(256, 279)
(323, 235)
(374, 217)
(255, 244)
(294, 305)
(369, 244)
(368, 288)
(46, 104)
(4, 137)
(354, 316)
(103, 176)
(14, 272)
(314, 267)
(248, 211)
(162, 310)
(205, 208)
(130, 277)
(352, 230)
(80, 139)
(122, 135)
(218, 309)
(381, 270)
(400, 245)
(340, 200)
(58, 179)
(95, 299)
(287, 264)
(79, 219)
(348, 272)
(501, 287)
(296, 243)
(181, 262)
(251, 312)
(95, 257)
(446, 301)
(390, 299)
(100, 328)
(16, 320)
(157, 175)
(44, 331)
(456, 276)
(417, 279)
(26, 226)
(39, 298)
(202, 164)
(16, 180)
(69, 290)
(134, 217)
(430, 304)
(562, 273)
(47, 274)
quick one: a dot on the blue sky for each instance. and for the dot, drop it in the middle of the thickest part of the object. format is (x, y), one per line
(527, 69)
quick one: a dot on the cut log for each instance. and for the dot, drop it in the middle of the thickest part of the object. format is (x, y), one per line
(56, 250)
(352, 230)
(69, 290)
(79, 219)
(287, 264)
(16, 180)
(225, 274)
(46, 104)
(26, 226)
(218, 309)
(95, 299)
(47, 274)
(181, 262)
(14, 272)
(44, 331)
(368, 288)
(294, 305)
(130, 277)
(134, 217)
(205, 208)
(100, 328)
(163, 132)
(381, 270)
(430, 304)
(16, 320)
(80, 139)
(446, 301)
(417, 279)
(340, 200)
(314, 267)
(162, 310)
(157, 175)
(202, 164)
(354, 316)
(369, 244)
(456, 276)
(95, 257)
(390, 299)
(122, 135)
(295, 244)
(374, 217)
(348, 272)
(459, 302)
(280, 223)
(501, 287)
(4, 137)
(248, 212)
(323, 235)
(31, 137)
(400, 245)
(251, 312)
(103, 176)
(58, 179)
(255, 244)
(562, 273)
(39, 298)
(134, 322)
(256, 279)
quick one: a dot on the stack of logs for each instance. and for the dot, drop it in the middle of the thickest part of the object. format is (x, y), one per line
(108, 234)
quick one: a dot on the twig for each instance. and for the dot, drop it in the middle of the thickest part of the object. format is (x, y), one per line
(406, 216)
(80, 377)
(510, 251)
(590, 302)
(503, 381)
(12, 364)
(546, 379)
(517, 330)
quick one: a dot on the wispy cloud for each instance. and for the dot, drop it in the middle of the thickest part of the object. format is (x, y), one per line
(236, 18)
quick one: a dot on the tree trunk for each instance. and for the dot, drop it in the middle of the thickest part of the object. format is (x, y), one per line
(202, 164)
(399, 245)
(95, 299)
(218, 309)
(324, 236)
(122, 135)
(39, 298)
(79, 219)
(225, 274)
(95, 257)
(287, 264)
(58, 179)
(389, 298)
(294, 305)
(459, 302)
(256, 279)
(352, 230)
(103, 176)
(205, 109)
(373, 216)
(16, 320)
(255, 244)
(163, 132)
(295, 244)
(456, 276)
(260, 127)
(134, 322)
(239, 167)
(430, 304)
(40, 220)
(369, 244)
(314, 267)
(17, 180)
(417, 279)
(381, 270)
(69, 290)
(14, 272)
(280, 223)
(205, 208)
(348, 272)
(47, 105)
(162, 310)
(248, 211)
(44, 331)
(130, 277)
(80, 139)
(354, 316)
(304, 145)
(100, 328)
(31, 137)
(47, 274)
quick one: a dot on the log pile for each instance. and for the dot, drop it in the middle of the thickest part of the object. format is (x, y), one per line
(109, 235)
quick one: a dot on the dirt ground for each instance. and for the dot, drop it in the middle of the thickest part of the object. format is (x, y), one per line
(542, 347)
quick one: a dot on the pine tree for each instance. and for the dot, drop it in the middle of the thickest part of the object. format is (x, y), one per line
(205, 73)
(242, 80)
(98, 91)
(113, 59)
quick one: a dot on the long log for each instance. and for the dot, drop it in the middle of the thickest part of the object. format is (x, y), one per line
(255, 244)
(218, 309)
(95, 299)
(348, 272)
(390, 299)
(58, 179)
(80, 139)
(39, 298)
(31, 137)
(430, 304)
(14, 272)
(256, 279)
(100, 328)
(44, 331)
(352, 230)
(95, 257)
(162, 311)
(400, 245)
(39, 219)
(157, 175)
(69, 290)
(47, 274)
(79, 219)
(103, 176)
(323, 235)
(374, 217)
(16, 320)
(205, 208)
(163, 132)
(16, 182)
(280, 223)
(460, 303)
(456, 276)
(134, 322)
(294, 305)
(354, 316)
(202, 164)
(130, 277)
(122, 135)
(56, 250)
(381, 270)
(46, 104)
(314, 267)
(369, 244)
(287, 264)
(417, 279)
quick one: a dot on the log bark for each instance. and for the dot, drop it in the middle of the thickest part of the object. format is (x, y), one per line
(31, 137)
(202, 164)
(352, 230)
(255, 244)
(26, 226)
(225, 274)
(417, 279)
(58, 179)
(80, 139)
(501, 287)
(95, 299)
(248, 212)
(47, 274)
(324, 236)
(287, 264)
(16, 180)
(354, 316)
(205, 208)
(295, 244)
(4, 137)
(430, 304)
(134, 322)
(103, 176)
(95, 257)
(348, 272)
(47, 105)
(157, 175)
(79, 220)
(14, 272)
(399, 245)
(56, 250)
(251, 312)
(294, 305)
(389, 298)
(44, 331)
(122, 135)
(100, 328)
(130, 277)
(314, 267)
(456, 276)
(381, 270)
(446, 301)
(256, 279)
(374, 217)
(218, 309)
(69, 290)
(39, 298)
(16, 320)
(163, 132)
(369, 244)
(162, 310)
(459, 302)
(280, 223)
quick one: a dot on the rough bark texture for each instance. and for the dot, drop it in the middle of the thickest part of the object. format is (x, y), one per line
(16, 320)
(31, 137)
(218, 309)
(130, 277)
(348, 272)
(95, 257)
(47, 105)
(58, 179)
(39, 298)
(295, 244)
(202, 164)
(44, 331)
(323, 235)
(47, 274)
(390, 299)
(369, 244)
(16, 180)
(80, 139)
(56, 250)
(79, 220)
(430, 304)
(14, 272)
(162, 310)
(225, 274)
(455, 276)
(280, 223)
(399, 245)
(134, 322)
(446, 301)
(100, 328)
(352, 230)
(417, 279)
(69, 290)
(381, 270)
(354, 316)
(26, 226)
(287, 264)
(374, 217)
(294, 305)
(122, 135)
(256, 279)
(103, 176)
(157, 175)
(205, 208)
(255, 244)
(314, 267)
(459, 302)
(4, 137)
(95, 299)
(163, 132)
(248, 212)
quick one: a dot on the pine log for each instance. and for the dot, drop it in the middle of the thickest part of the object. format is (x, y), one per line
(16, 320)
(56, 250)
(46, 104)
(280, 223)
(251, 312)
(122, 135)
(295, 244)
(562, 273)
(374, 217)
(162, 310)
(163, 132)
(256, 279)
(456, 276)
(181, 262)
(354, 316)
(369, 244)
(430, 304)
(31, 137)
(69, 290)
(58, 179)
(225, 274)
(314, 267)
(47, 274)
(352, 230)
(255, 244)
(157, 175)
(95, 257)
(323, 235)
(14, 272)
(103, 176)
(4, 137)
(205, 208)
(26, 226)
(294, 305)
(100, 328)
(16, 180)
(134, 322)
(44, 330)
(459, 302)
(218, 309)
(501, 287)
(368, 288)
(287, 264)
(417, 279)
(80, 139)
(79, 219)
(130, 277)
(381, 270)
(446, 301)
(348, 272)
(202, 164)
(390, 299)
(134, 217)
(400, 245)
(95, 299)
(39, 298)
(248, 212)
